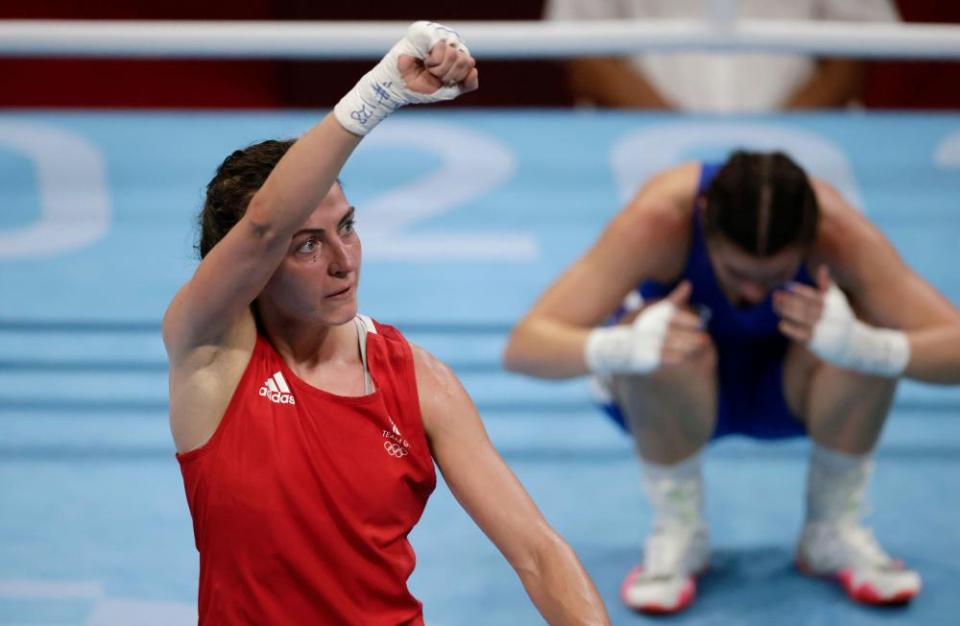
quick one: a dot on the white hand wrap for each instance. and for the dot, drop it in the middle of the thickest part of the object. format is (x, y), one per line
(841, 339)
(633, 349)
(382, 90)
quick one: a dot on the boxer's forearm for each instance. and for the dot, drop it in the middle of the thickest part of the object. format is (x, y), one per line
(302, 178)
(546, 349)
(428, 52)
(561, 589)
(935, 355)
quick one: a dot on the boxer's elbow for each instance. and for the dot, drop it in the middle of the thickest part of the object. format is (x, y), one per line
(518, 355)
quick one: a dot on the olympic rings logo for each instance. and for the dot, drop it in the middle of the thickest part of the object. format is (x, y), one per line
(395, 449)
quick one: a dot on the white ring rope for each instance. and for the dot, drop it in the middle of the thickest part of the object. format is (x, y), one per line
(513, 40)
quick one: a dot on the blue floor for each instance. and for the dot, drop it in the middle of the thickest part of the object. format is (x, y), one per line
(465, 218)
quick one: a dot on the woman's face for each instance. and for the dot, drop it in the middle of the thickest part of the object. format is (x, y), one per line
(747, 280)
(317, 281)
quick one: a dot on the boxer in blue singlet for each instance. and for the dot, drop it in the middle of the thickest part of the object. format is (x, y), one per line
(750, 348)
(745, 298)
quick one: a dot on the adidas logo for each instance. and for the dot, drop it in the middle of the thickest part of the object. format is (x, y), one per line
(276, 390)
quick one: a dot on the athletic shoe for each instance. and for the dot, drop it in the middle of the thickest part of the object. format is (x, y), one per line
(666, 581)
(849, 553)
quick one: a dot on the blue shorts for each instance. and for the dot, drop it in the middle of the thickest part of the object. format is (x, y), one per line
(750, 389)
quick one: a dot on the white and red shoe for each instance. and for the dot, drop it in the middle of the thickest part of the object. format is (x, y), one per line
(666, 580)
(849, 553)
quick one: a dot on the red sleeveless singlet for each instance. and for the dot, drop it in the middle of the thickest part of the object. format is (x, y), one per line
(302, 500)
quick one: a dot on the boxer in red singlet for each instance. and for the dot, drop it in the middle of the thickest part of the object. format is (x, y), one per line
(307, 433)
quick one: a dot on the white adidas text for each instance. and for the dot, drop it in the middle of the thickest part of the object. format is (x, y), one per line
(276, 390)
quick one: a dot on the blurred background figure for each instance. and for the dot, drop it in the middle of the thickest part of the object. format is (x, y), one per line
(287, 83)
(719, 82)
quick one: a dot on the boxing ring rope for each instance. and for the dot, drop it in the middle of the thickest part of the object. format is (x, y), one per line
(492, 40)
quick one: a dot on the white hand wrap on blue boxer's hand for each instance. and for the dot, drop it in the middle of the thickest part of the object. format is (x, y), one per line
(633, 349)
(382, 90)
(841, 339)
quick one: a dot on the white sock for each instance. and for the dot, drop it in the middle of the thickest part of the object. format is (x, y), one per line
(836, 484)
(675, 491)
